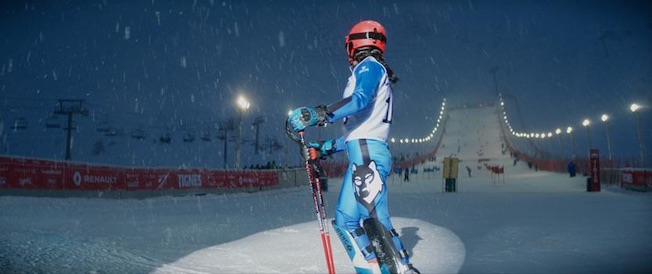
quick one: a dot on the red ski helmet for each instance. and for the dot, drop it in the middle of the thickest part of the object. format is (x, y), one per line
(366, 33)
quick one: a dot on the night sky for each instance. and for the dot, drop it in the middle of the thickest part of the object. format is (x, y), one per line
(178, 66)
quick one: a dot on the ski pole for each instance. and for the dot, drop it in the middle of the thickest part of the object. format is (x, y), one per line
(313, 170)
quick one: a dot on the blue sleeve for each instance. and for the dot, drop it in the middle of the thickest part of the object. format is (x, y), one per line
(340, 144)
(367, 78)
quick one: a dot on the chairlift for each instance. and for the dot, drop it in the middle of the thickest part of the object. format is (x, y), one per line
(188, 137)
(19, 123)
(103, 127)
(138, 134)
(111, 131)
(228, 125)
(276, 146)
(206, 136)
(52, 122)
(165, 138)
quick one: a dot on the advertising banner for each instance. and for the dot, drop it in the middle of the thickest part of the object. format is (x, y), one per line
(147, 179)
(30, 174)
(637, 178)
(450, 168)
(594, 170)
(80, 177)
(24, 173)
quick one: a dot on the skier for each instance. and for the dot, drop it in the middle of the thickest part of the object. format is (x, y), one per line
(366, 109)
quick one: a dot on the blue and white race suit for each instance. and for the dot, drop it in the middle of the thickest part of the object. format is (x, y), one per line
(366, 109)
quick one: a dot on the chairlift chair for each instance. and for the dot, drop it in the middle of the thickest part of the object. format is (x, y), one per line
(165, 138)
(188, 137)
(111, 131)
(138, 134)
(19, 123)
(53, 122)
(206, 136)
(103, 127)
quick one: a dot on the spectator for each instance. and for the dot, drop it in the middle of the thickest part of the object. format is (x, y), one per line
(571, 169)
(406, 175)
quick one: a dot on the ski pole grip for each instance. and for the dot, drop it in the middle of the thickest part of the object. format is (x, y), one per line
(288, 131)
(313, 153)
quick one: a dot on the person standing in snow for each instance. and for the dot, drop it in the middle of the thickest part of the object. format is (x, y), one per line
(406, 176)
(571, 169)
(366, 110)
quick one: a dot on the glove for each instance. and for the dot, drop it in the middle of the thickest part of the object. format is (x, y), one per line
(304, 117)
(323, 148)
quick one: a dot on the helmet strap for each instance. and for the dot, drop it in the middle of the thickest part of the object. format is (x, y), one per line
(364, 52)
(368, 35)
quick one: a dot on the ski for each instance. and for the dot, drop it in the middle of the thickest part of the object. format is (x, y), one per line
(381, 243)
(314, 173)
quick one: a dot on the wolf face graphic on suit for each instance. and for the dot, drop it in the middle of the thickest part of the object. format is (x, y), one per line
(367, 182)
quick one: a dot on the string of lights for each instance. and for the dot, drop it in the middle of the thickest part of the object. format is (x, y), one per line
(424, 139)
(586, 123)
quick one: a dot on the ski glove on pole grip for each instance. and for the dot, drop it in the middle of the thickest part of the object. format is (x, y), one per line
(324, 148)
(303, 117)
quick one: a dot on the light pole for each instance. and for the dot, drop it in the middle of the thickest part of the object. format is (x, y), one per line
(635, 109)
(605, 119)
(493, 71)
(569, 130)
(561, 144)
(287, 147)
(256, 123)
(587, 124)
(549, 137)
(243, 105)
(226, 127)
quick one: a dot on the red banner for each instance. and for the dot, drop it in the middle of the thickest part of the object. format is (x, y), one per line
(23, 173)
(639, 177)
(594, 170)
(30, 174)
(94, 178)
